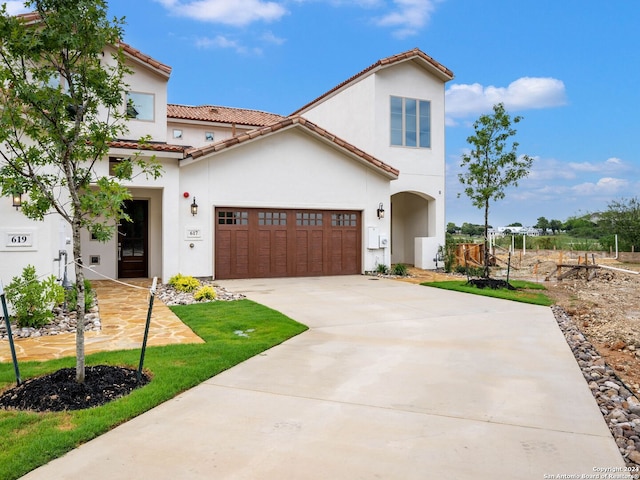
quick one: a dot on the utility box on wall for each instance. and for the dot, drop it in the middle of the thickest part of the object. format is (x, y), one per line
(383, 241)
(372, 238)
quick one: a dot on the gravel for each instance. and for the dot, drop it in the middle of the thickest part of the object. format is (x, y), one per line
(619, 407)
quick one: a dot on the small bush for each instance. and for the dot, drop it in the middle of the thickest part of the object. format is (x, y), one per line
(400, 269)
(382, 269)
(184, 283)
(33, 300)
(471, 271)
(71, 297)
(205, 293)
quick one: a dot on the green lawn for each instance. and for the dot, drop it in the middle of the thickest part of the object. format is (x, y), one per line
(28, 440)
(526, 292)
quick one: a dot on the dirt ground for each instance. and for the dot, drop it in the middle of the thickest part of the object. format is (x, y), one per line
(605, 307)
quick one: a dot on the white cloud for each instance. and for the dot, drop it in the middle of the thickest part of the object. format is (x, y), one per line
(222, 42)
(549, 169)
(408, 16)
(463, 100)
(604, 186)
(236, 12)
(269, 37)
(16, 7)
(610, 165)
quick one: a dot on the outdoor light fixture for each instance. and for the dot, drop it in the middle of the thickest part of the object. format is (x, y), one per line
(17, 200)
(194, 207)
(380, 211)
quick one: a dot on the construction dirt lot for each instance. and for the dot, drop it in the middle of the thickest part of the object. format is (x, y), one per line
(603, 302)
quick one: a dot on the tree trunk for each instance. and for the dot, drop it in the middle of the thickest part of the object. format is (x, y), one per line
(486, 239)
(77, 249)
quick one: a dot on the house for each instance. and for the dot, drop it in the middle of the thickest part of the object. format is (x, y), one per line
(352, 180)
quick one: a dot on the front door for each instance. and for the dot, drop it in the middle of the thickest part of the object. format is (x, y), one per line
(133, 241)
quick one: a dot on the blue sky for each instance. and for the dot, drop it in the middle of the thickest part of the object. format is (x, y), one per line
(571, 68)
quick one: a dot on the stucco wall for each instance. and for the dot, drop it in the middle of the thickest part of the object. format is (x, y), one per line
(289, 169)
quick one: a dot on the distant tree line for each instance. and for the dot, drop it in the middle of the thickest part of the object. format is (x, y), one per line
(621, 218)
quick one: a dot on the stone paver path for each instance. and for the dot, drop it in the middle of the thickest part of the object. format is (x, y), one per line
(123, 313)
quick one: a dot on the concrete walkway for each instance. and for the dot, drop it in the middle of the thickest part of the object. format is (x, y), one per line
(392, 381)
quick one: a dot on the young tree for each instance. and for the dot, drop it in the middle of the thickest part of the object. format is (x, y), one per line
(62, 102)
(490, 166)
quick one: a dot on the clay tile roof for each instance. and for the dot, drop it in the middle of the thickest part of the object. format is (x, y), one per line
(211, 113)
(288, 122)
(145, 58)
(154, 147)
(34, 17)
(416, 54)
(30, 17)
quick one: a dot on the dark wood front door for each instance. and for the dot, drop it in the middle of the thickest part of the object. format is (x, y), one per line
(133, 241)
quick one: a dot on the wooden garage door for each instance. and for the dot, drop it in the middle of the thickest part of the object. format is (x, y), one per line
(259, 243)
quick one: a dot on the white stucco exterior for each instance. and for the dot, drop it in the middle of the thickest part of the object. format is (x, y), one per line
(349, 166)
(418, 226)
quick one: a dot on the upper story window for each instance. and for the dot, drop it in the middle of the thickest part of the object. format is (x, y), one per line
(140, 106)
(208, 136)
(177, 134)
(410, 122)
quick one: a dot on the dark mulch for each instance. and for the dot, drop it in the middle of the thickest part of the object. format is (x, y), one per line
(59, 391)
(493, 283)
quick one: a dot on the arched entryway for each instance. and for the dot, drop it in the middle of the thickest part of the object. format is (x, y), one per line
(413, 227)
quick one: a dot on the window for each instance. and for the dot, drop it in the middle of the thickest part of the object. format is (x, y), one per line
(233, 218)
(140, 106)
(113, 165)
(410, 122)
(208, 136)
(177, 134)
(304, 219)
(343, 220)
(272, 218)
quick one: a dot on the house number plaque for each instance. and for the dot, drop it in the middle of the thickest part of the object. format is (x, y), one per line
(193, 234)
(23, 239)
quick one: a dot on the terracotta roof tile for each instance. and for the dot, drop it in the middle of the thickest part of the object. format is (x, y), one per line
(287, 122)
(211, 113)
(34, 17)
(155, 147)
(416, 53)
(145, 58)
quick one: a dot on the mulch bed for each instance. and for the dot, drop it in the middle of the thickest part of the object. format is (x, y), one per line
(493, 283)
(59, 391)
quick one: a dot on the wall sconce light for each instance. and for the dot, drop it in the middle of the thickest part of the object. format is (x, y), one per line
(194, 207)
(17, 200)
(380, 211)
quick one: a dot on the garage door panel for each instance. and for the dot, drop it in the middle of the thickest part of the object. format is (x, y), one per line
(274, 243)
(272, 253)
(309, 254)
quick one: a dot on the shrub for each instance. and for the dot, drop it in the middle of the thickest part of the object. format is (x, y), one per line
(382, 269)
(184, 283)
(400, 269)
(205, 293)
(71, 297)
(33, 300)
(471, 271)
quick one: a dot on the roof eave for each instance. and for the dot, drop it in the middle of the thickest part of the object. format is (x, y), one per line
(288, 123)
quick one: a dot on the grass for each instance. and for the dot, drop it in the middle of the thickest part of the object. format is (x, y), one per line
(526, 292)
(28, 440)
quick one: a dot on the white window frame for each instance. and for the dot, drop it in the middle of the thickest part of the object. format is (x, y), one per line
(406, 120)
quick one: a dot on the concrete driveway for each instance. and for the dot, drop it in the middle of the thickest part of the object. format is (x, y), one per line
(392, 381)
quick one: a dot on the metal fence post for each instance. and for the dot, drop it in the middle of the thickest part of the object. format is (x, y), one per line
(152, 294)
(8, 323)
